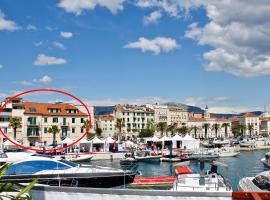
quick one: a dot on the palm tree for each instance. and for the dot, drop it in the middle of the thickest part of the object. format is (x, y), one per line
(183, 130)
(15, 123)
(85, 126)
(250, 128)
(54, 130)
(242, 128)
(171, 128)
(195, 129)
(162, 126)
(205, 126)
(225, 125)
(151, 125)
(216, 127)
(120, 124)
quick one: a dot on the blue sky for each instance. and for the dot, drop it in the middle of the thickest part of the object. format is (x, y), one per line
(98, 56)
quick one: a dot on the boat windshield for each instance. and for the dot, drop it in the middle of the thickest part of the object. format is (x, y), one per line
(34, 166)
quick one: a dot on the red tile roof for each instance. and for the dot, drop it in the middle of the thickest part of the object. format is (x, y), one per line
(249, 115)
(43, 109)
(104, 117)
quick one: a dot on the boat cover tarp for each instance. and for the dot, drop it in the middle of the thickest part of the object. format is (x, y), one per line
(157, 179)
(183, 170)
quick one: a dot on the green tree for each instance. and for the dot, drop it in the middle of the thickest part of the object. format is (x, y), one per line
(226, 125)
(162, 126)
(242, 128)
(85, 126)
(205, 126)
(98, 131)
(120, 124)
(183, 130)
(250, 128)
(15, 123)
(151, 125)
(171, 128)
(54, 130)
(195, 129)
(144, 133)
(216, 128)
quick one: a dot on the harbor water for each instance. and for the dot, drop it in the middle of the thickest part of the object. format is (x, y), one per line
(246, 164)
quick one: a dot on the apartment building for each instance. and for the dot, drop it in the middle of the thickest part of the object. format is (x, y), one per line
(107, 124)
(135, 118)
(252, 119)
(37, 118)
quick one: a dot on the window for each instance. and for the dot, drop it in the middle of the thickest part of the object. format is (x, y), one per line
(73, 130)
(55, 120)
(30, 167)
(82, 120)
(81, 130)
(73, 120)
(32, 109)
(45, 130)
(45, 119)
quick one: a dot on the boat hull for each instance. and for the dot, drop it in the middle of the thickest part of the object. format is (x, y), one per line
(98, 180)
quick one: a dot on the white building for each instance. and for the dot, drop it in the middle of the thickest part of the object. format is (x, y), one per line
(250, 119)
(107, 124)
(135, 118)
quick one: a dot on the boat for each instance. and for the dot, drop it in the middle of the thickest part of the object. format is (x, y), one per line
(55, 172)
(128, 161)
(220, 143)
(75, 157)
(202, 156)
(209, 181)
(247, 143)
(148, 158)
(259, 183)
(157, 182)
(11, 157)
(166, 159)
(225, 151)
(266, 160)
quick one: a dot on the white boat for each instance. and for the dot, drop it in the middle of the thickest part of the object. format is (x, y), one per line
(226, 151)
(266, 160)
(218, 142)
(247, 143)
(210, 181)
(76, 157)
(259, 183)
(148, 158)
(10, 157)
(54, 172)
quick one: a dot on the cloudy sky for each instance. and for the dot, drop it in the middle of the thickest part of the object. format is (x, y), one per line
(199, 52)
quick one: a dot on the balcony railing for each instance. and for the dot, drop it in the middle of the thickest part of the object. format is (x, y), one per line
(32, 134)
(64, 124)
(33, 124)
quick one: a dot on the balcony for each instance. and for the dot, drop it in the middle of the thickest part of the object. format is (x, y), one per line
(33, 124)
(64, 124)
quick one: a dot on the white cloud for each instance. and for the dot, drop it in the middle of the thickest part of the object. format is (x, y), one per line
(58, 45)
(26, 83)
(44, 80)
(66, 35)
(156, 45)
(136, 101)
(234, 109)
(7, 25)
(203, 101)
(37, 44)
(152, 18)
(31, 27)
(77, 6)
(48, 60)
(1, 66)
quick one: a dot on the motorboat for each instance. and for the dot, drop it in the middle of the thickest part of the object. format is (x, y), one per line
(75, 157)
(266, 160)
(147, 156)
(220, 143)
(209, 181)
(247, 143)
(225, 151)
(202, 156)
(259, 183)
(55, 172)
(11, 157)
